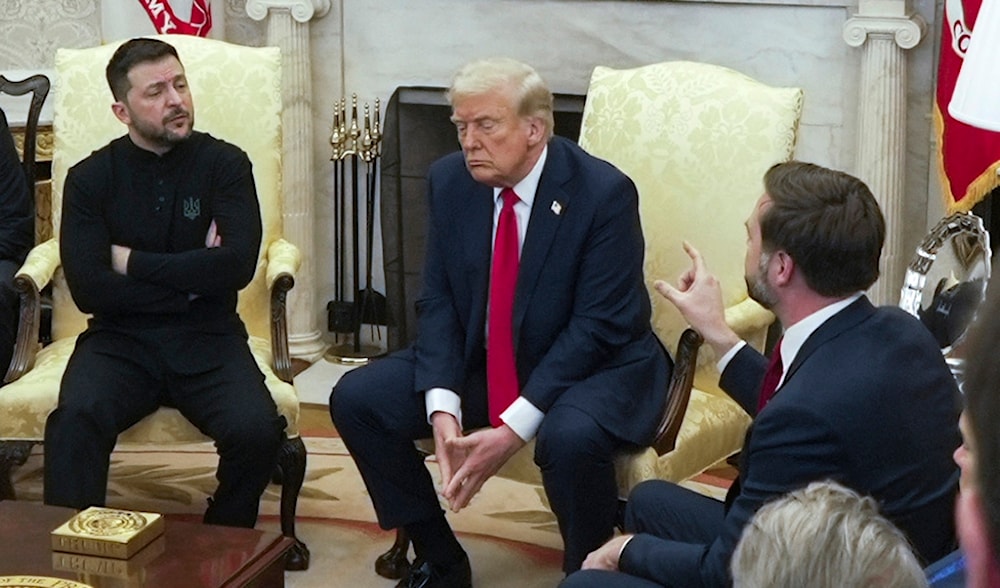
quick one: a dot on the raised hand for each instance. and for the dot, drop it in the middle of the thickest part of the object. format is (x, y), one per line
(698, 297)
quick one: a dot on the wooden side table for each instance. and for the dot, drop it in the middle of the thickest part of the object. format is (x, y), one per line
(188, 554)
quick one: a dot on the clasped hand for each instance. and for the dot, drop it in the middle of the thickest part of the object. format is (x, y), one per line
(467, 461)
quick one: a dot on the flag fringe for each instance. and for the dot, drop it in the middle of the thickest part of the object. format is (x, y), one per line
(978, 189)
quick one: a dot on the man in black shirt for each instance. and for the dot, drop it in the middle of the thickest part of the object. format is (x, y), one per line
(17, 235)
(160, 230)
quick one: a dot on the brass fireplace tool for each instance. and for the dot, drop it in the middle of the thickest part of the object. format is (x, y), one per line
(355, 146)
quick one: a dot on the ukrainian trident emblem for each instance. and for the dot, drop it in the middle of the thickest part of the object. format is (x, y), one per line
(192, 208)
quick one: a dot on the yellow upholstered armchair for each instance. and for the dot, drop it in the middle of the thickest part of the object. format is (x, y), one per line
(696, 139)
(237, 96)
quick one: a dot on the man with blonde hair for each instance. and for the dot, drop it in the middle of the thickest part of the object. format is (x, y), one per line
(824, 536)
(534, 322)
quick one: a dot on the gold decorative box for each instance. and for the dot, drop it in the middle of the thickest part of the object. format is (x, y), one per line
(125, 569)
(38, 582)
(107, 532)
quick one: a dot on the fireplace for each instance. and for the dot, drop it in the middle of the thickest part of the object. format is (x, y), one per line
(417, 131)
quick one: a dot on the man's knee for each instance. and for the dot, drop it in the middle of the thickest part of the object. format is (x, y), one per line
(349, 399)
(645, 503)
(261, 435)
(572, 439)
(83, 417)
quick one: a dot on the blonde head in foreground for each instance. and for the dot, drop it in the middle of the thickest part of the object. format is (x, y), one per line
(824, 536)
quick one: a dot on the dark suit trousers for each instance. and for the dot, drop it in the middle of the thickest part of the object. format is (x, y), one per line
(9, 306)
(114, 379)
(664, 510)
(379, 415)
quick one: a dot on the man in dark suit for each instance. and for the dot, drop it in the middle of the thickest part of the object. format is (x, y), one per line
(867, 399)
(17, 235)
(587, 376)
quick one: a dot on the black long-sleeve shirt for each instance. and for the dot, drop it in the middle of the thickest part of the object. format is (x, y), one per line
(161, 207)
(17, 208)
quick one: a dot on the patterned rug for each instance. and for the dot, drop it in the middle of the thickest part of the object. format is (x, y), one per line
(509, 531)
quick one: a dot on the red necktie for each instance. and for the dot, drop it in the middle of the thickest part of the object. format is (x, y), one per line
(771, 377)
(501, 371)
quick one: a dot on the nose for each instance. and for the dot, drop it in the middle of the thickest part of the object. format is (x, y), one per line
(469, 138)
(961, 456)
(173, 96)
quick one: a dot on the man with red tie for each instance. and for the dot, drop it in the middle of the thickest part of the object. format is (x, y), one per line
(534, 323)
(857, 394)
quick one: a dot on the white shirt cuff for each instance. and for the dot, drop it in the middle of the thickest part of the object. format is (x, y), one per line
(443, 400)
(622, 550)
(523, 418)
(725, 359)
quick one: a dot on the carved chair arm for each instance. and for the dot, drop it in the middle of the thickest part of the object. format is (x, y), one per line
(283, 260)
(35, 274)
(678, 392)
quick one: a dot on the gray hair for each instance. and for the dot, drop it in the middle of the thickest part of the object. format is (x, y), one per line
(530, 93)
(824, 536)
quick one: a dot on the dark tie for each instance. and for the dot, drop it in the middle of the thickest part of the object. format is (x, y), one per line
(771, 377)
(501, 371)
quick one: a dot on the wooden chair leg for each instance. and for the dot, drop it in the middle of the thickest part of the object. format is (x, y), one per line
(292, 463)
(12, 453)
(393, 564)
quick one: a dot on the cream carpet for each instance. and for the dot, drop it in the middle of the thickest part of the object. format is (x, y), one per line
(508, 530)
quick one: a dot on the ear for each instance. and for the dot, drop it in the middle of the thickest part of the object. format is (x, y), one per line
(121, 113)
(784, 267)
(536, 130)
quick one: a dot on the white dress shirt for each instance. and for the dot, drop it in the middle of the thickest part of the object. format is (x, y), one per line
(521, 416)
(795, 335)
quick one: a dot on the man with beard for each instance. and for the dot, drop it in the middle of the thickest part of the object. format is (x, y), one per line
(866, 398)
(160, 230)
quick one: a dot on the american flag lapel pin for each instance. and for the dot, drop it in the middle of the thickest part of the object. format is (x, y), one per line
(556, 207)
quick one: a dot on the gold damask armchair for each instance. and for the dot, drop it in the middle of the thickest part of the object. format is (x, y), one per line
(237, 96)
(696, 138)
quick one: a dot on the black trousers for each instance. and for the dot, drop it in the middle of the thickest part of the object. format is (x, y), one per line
(379, 414)
(116, 378)
(9, 305)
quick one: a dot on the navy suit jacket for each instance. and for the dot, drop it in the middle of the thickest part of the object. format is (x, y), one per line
(582, 332)
(869, 402)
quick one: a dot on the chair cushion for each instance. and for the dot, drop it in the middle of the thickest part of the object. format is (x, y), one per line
(26, 403)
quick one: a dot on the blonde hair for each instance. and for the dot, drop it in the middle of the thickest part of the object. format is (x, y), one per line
(531, 95)
(824, 536)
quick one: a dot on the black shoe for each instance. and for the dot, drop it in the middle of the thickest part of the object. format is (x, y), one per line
(424, 574)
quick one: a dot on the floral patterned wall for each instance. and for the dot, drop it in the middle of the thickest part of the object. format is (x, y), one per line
(32, 30)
